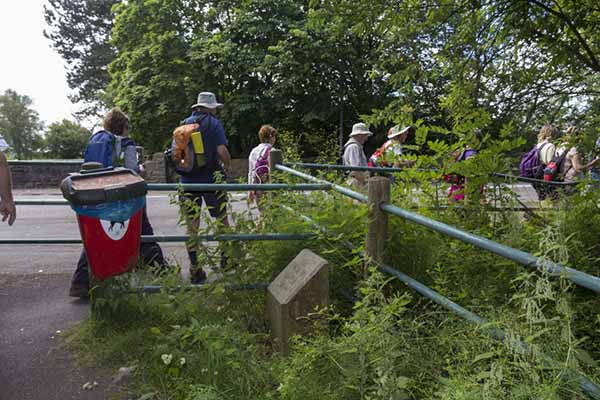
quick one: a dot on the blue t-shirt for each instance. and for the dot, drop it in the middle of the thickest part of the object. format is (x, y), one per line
(213, 135)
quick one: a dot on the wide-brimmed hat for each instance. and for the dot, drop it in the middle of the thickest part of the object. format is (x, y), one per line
(360, 129)
(208, 100)
(396, 131)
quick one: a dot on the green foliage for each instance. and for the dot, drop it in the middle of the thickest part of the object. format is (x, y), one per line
(65, 140)
(20, 124)
(80, 33)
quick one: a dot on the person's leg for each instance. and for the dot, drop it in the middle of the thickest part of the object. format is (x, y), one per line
(192, 223)
(217, 206)
(151, 253)
(80, 283)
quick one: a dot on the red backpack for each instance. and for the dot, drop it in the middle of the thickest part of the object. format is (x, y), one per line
(375, 156)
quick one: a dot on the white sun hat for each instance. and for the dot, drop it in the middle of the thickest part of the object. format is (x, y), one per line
(208, 100)
(360, 129)
(396, 131)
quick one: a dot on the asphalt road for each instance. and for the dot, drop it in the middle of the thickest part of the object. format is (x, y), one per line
(34, 304)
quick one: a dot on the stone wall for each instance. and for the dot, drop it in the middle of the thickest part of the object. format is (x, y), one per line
(41, 174)
(49, 173)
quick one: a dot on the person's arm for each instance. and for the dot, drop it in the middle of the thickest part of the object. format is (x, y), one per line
(7, 204)
(225, 157)
(222, 151)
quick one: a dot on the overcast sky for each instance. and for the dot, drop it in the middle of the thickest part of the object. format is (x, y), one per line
(28, 64)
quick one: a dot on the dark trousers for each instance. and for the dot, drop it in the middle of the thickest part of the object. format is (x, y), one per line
(149, 252)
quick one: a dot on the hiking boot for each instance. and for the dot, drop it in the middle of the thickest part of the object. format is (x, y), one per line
(80, 290)
(197, 276)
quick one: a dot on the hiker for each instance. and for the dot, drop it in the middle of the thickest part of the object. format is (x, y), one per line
(258, 161)
(595, 167)
(533, 163)
(354, 154)
(388, 155)
(7, 203)
(573, 167)
(391, 150)
(458, 183)
(216, 159)
(115, 136)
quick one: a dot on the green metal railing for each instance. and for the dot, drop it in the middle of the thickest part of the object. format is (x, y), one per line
(241, 237)
(519, 256)
(234, 187)
(496, 333)
(26, 163)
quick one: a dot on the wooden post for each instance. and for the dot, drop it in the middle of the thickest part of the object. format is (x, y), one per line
(275, 157)
(379, 192)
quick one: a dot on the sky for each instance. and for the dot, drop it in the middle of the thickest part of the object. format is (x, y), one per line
(28, 64)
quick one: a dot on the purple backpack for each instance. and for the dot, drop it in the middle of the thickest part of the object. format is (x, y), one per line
(261, 168)
(530, 165)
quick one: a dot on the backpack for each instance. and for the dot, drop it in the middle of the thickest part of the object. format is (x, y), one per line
(187, 148)
(530, 165)
(457, 179)
(105, 148)
(375, 156)
(553, 167)
(260, 173)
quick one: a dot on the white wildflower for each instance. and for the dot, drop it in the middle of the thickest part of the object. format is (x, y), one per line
(167, 358)
(182, 361)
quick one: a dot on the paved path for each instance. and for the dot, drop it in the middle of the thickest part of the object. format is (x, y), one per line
(34, 305)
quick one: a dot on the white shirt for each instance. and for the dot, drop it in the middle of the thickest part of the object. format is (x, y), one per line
(547, 152)
(255, 154)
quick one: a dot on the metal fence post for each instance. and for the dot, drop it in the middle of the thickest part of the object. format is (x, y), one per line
(379, 192)
(275, 157)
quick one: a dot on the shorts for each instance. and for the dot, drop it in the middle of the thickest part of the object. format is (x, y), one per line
(215, 201)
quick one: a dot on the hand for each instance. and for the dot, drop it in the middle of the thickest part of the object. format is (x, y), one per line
(8, 211)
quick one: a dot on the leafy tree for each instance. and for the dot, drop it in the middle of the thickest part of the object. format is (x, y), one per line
(66, 140)
(80, 32)
(150, 76)
(19, 124)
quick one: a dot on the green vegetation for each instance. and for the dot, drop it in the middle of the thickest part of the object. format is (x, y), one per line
(306, 66)
(384, 341)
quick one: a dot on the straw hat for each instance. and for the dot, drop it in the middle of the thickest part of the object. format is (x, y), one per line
(360, 129)
(208, 100)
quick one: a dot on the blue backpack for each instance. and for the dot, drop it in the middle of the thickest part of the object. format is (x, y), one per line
(530, 165)
(105, 148)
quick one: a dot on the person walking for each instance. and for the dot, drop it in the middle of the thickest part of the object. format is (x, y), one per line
(546, 151)
(390, 153)
(258, 161)
(116, 126)
(217, 160)
(354, 154)
(8, 210)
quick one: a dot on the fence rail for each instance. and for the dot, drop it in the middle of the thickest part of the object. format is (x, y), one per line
(519, 256)
(225, 237)
(26, 163)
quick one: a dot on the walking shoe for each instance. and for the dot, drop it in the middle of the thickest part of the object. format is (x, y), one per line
(80, 290)
(197, 276)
